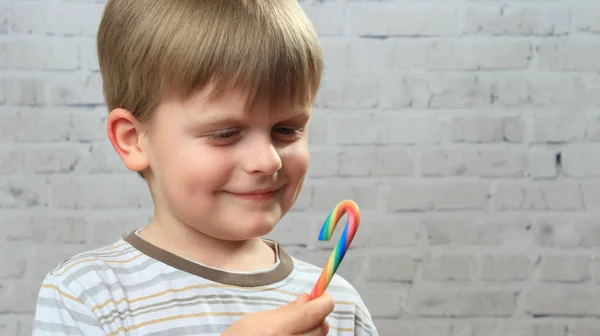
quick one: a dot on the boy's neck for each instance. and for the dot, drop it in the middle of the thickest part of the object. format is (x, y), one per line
(239, 256)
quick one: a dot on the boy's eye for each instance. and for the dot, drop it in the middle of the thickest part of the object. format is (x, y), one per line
(224, 137)
(288, 133)
(225, 134)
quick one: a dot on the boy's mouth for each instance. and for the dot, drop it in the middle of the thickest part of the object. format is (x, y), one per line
(258, 194)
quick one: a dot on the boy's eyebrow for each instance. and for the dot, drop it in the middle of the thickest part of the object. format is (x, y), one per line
(220, 121)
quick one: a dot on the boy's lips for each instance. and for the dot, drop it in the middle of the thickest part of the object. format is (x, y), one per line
(257, 194)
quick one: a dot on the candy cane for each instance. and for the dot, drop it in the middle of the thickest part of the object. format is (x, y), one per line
(343, 244)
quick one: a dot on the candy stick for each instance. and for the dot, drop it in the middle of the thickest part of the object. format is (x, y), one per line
(343, 244)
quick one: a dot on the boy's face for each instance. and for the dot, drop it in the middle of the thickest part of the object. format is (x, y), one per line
(228, 173)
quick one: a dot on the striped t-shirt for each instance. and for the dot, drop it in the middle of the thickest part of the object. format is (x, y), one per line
(135, 288)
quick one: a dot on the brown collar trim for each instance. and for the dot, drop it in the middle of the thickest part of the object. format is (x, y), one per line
(283, 270)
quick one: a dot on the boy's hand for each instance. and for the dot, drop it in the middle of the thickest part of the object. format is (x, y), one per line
(299, 318)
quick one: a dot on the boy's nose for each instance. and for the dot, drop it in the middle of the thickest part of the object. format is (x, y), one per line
(263, 158)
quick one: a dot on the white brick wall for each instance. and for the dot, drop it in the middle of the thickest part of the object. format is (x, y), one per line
(467, 131)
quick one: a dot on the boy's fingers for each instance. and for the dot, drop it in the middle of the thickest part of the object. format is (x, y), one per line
(308, 316)
(303, 298)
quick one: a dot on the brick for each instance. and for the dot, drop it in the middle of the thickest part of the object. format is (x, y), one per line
(348, 92)
(48, 159)
(392, 20)
(385, 128)
(559, 129)
(556, 232)
(89, 54)
(318, 129)
(23, 192)
(324, 162)
(470, 54)
(336, 56)
(505, 268)
(328, 19)
(509, 91)
(13, 267)
(44, 228)
(375, 161)
(25, 91)
(560, 195)
(589, 231)
(555, 268)
(412, 328)
(4, 19)
(84, 23)
(435, 91)
(550, 330)
(555, 90)
(562, 300)
(592, 96)
(89, 125)
(28, 18)
(586, 18)
(34, 125)
(486, 129)
(18, 296)
(99, 192)
(326, 196)
(9, 324)
(591, 195)
(473, 163)
(305, 198)
(43, 260)
(49, 19)
(469, 231)
(416, 196)
(383, 302)
(25, 326)
(100, 159)
(588, 328)
(370, 56)
(10, 161)
(470, 302)
(448, 267)
(108, 228)
(572, 54)
(75, 89)
(292, 230)
(511, 328)
(513, 19)
(580, 162)
(39, 54)
(351, 267)
(390, 268)
(541, 163)
(593, 129)
(386, 232)
(3, 90)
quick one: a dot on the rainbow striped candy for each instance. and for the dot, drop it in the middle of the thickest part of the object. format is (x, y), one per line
(343, 244)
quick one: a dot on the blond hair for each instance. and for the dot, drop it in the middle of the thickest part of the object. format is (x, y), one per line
(150, 49)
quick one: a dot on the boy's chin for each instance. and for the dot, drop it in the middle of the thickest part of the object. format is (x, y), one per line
(250, 227)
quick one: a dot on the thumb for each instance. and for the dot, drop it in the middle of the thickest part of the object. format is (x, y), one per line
(301, 299)
(307, 316)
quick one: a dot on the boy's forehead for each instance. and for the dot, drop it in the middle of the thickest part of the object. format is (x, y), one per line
(235, 104)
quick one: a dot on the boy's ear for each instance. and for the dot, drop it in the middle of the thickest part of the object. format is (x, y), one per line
(124, 133)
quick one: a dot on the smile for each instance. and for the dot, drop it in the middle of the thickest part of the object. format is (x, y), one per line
(257, 195)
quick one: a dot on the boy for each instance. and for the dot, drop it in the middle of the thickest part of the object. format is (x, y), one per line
(209, 102)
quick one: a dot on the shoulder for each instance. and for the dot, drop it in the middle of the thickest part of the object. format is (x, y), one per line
(93, 267)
